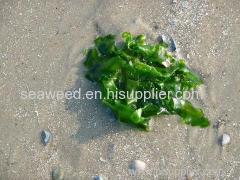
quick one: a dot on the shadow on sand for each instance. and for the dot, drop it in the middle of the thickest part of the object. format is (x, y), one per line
(95, 119)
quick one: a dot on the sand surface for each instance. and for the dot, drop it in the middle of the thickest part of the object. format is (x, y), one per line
(41, 45)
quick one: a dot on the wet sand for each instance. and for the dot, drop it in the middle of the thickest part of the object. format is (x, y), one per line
(41, 45)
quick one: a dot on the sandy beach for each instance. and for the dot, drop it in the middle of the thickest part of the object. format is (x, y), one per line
(41, 49)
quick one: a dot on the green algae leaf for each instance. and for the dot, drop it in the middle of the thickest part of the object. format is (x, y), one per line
(135, 66)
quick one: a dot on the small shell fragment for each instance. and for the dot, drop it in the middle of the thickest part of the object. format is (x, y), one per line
(166, 63)
(225, 139)
(99, 177)
(137, 166)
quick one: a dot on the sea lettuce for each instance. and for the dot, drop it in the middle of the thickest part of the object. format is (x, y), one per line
(133, 65)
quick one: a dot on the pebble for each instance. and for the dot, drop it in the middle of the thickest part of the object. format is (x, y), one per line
(45, 137)
(57, 174)
(225, 139)
(137, 166)
(99, 178)
(169, 41)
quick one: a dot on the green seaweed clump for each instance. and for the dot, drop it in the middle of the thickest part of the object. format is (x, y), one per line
(135, 66)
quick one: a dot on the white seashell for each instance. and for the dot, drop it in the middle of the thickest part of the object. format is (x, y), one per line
(166, 63)
(137, 166)
(225, 139)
